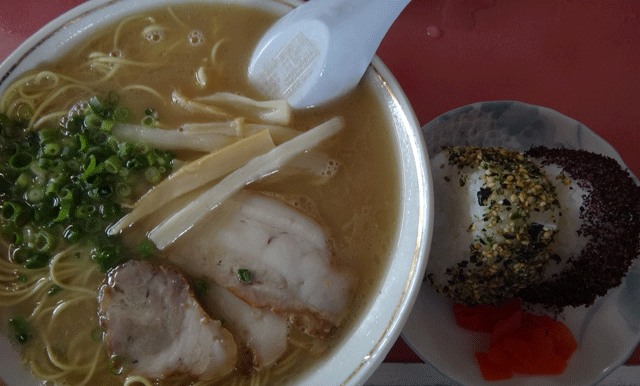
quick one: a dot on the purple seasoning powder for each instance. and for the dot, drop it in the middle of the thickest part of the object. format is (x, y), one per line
(610, 218)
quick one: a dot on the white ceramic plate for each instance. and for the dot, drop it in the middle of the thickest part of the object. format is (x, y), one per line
(607, 332)
(366, 345)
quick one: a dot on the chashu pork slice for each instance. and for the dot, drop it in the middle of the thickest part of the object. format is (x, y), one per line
(272, 256)
(263, 333)
(153, 321)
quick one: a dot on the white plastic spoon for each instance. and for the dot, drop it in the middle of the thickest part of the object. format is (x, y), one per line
(321, 49)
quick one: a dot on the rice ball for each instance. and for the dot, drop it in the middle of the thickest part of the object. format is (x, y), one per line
(496, 215)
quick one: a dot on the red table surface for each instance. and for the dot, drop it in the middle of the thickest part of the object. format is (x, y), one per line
(579, 57)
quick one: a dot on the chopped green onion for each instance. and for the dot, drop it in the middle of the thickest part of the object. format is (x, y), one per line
(37, 260)
(146, 248)
(92, 225)
(106, 257)
(122, 114)
(244, 275)
(142, 148)
(4, 120)
(20, 161)
(83, 141)
(109, 210)
(54, 290)
(126, 149)
(148, 121)
(201, 287)
(66, 206)
(105, 190)
(107, 125)
(151, 159)
(99, 137)
(152, 174)
(123, 190)
(67, 152)
(43, 164)
(136, 163)
(20, 255)
(89, 168)
(35, 194)
(92, 121)
(51, 149)
(72, 233)
(24, 180)
(38, 170)
(44, 241)
(113, 164)
(54, 186)
(96, 106)
(21, 329)
(74, 124)
(17, 238)
(16, 212)
(69, 182)
(22, 279)
(44, 212)
(113, 143)
(48, 135)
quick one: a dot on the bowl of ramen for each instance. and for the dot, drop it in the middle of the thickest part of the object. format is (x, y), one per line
(164, 224)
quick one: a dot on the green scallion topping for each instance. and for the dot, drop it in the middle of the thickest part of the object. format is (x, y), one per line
(146, 248)
(153, 175)
(113, 164)
(93, 121)
(107, 125)
(67, 184)
(44, 241)
(122, 114)
(148, 121)
(21, 329)
(21, 161)
(201, 288)
(244, 275)
(54, 290)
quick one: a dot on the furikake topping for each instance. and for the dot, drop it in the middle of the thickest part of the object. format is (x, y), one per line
(509, 250)
(66, 184)
(610, 216)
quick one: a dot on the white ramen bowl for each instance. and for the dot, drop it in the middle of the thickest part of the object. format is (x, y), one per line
(365, 345)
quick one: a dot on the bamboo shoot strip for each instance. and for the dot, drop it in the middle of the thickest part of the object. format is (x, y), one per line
(271, 111)
(261, 166)
(195, 175)
(173, 139)
(192, 106)
(238, 127)
(279, 134)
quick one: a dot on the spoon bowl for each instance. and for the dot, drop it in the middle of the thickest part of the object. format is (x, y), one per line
(321, 49)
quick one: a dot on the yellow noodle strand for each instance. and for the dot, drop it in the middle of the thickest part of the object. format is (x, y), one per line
(140, 87)
(173, 15)
(136, 380)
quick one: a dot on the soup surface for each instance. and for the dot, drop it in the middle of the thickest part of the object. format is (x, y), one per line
(158, 64)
